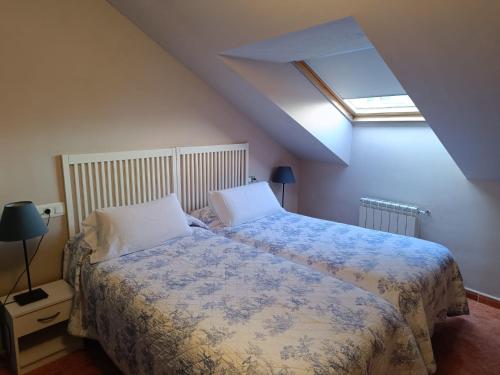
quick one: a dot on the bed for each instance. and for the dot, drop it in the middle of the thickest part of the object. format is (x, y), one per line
(189, 290)
(420, 278)
(200, 303)
(204, 304)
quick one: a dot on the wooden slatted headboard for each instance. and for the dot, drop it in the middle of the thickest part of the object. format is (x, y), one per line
(93, 181)
(203, 169)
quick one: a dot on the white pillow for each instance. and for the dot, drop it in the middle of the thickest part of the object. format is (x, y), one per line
(244, 204)
(113, 232)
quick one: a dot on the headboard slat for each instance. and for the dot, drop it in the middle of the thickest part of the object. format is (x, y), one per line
(98, 184)
(109, 184)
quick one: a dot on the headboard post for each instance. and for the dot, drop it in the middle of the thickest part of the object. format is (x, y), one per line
(68, 195)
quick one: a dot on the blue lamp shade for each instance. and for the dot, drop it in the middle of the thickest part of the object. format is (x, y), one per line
(21, 221)
(283, 175)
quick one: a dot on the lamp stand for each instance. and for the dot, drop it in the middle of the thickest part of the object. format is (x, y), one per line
(33, 294)
(283, 196)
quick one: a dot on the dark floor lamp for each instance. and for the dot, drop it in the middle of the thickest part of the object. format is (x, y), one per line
(283, 175)
(21, 221)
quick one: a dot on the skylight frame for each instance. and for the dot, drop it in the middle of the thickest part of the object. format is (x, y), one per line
(346, 109)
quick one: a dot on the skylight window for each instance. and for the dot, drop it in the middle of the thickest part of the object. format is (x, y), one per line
(361, 86)
(398, 104)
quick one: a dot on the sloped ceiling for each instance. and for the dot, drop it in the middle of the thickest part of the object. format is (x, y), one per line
(307, 109)
(444, 53)
(318, 41)
(357, 74)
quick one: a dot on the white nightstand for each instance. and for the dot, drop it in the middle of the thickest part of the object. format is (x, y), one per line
(38, 331)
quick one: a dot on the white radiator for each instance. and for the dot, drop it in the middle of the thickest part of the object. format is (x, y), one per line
(390, 216)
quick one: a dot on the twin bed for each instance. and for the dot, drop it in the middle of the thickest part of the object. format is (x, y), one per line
(420, 278)
(278, 294)
(203, 304)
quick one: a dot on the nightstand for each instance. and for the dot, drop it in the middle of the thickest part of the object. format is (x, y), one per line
(37, 332)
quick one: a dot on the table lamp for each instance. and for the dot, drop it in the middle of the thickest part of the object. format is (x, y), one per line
(21, 221)
(283, 175)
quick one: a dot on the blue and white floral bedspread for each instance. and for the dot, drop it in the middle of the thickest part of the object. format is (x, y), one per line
(420, 278)
(204, 304)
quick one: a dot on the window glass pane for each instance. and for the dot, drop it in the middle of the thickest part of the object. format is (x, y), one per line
(382, 104)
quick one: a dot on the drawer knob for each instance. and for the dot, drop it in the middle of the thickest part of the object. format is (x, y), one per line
(49, 318)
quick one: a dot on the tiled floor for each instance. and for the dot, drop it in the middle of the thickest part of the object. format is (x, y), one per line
(471, 344)
(91, 361)
(463, 345)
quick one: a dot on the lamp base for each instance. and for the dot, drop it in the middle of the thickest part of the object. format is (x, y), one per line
(31, 296)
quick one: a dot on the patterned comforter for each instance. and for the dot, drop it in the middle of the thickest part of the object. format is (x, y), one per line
(420, 278)
(204, 304)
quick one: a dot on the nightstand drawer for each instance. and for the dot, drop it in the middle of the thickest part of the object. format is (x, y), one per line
(42, 318)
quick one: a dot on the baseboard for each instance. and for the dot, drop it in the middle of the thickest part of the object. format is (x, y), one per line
(483, 298)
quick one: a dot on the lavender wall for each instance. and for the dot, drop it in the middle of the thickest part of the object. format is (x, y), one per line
(408, 163)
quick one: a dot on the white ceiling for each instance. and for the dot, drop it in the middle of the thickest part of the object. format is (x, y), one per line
(332, 38)
(444, 53)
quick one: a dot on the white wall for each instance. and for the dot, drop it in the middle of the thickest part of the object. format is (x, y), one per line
(407, 163)
(310, 113)
(78, 77)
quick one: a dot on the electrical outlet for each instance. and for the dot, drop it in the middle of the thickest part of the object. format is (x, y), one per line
(56, 209)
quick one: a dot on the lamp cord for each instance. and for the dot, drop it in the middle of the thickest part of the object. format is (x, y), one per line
(24, 271)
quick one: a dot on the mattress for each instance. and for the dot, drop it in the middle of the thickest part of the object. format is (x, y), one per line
(204, 304)
(420, 278)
